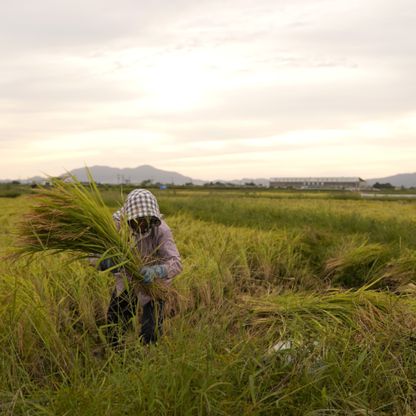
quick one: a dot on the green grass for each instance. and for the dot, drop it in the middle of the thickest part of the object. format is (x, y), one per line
(377, 219)
(11, 190)
(257, 271)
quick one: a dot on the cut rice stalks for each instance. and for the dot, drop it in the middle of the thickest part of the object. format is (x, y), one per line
(73, 218)
(349, 309)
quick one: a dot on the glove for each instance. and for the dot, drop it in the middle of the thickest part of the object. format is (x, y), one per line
(150, 272)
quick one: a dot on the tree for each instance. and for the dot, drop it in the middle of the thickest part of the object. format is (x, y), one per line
(146, 183)
(386, 185)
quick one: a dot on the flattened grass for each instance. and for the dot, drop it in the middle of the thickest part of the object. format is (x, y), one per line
(350, 309)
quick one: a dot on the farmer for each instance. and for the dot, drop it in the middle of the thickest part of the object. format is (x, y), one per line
(155, 243)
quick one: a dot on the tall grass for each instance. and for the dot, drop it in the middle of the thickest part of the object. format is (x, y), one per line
(374, 218)
(244, 290)
(356, 262)
(70, 217)
(350, 309)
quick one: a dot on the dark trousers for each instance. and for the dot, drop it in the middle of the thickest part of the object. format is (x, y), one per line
(122, 309)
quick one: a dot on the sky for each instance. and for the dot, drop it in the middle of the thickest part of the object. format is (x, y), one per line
(211, 89)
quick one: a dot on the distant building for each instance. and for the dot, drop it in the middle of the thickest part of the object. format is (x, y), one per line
(352, 184)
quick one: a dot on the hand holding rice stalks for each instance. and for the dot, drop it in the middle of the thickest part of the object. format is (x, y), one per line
(71, 217)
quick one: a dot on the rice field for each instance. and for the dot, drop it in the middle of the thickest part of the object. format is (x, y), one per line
(289, 304)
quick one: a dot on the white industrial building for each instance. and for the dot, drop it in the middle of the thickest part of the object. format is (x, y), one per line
(346, 183)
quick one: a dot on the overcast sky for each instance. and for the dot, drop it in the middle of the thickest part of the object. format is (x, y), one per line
(212, 89)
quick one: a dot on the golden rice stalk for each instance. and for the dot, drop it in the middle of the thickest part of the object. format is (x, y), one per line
(71, 217)
(401, 271)
(356, 263)
(346, 308)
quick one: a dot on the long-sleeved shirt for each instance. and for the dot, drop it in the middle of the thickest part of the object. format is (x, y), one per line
(157, 248)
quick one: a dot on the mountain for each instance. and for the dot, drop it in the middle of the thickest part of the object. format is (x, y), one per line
(407, 180)
(109, 175)
(106, 174)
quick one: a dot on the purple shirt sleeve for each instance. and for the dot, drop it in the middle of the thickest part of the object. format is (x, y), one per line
(167, 251)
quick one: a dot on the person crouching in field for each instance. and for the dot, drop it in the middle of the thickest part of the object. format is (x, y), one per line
(154, 240)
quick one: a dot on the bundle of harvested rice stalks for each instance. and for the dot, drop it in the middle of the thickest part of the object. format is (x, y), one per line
(73, 218)
(350, 309)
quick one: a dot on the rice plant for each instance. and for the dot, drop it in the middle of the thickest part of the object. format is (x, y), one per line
(318, 310)
(256, 329)
(401, 271)
(71, 217)
(356, 262)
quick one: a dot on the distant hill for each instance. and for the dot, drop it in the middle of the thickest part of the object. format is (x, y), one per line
(109, 175)
(407, 180)
(106, 174)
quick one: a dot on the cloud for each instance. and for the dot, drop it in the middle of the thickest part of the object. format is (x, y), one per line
(185, 84)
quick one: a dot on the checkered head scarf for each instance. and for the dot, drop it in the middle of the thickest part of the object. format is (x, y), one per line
(140, 203)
